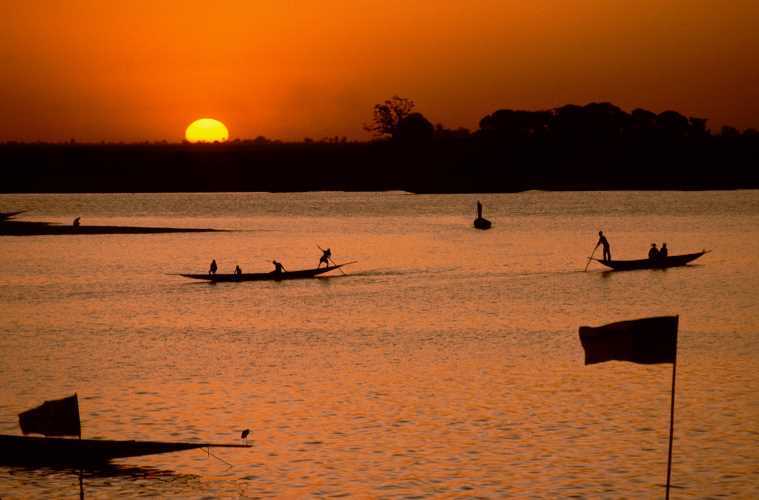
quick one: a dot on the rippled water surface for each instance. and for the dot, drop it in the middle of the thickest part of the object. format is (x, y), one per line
(446, 362)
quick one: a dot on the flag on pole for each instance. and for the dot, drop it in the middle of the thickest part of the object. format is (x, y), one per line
(59, 417)
(645, 341)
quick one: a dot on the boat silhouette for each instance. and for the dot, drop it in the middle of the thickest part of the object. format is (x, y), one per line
(61, 418)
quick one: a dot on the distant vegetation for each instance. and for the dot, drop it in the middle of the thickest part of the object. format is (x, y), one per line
(595, 146)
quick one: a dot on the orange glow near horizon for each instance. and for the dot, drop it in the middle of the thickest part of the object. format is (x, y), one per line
(206, 130)
(133, 71)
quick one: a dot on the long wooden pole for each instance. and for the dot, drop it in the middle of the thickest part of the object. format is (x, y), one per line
(671, 424)
(339, 268)
(590, 258)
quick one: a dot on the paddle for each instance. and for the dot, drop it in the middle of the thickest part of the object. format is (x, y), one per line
(590, 258)
(339, 268)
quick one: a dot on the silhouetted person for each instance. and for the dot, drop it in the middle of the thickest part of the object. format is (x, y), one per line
(326, 256)
(603, 241)
(278, 267)
(244, 436)
(663, 252)
(213, 268)
(479, 209)
(653, 253)
(238, 271)
(76, 222)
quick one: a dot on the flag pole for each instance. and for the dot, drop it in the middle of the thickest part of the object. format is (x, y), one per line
(671, 423)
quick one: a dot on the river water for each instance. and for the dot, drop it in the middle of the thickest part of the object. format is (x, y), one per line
(445, 362)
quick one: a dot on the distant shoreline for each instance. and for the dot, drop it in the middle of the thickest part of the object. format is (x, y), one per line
(474, 165)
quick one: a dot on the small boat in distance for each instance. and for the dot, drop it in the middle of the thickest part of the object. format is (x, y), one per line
(658, 263)
(480, 222)
(61, 418)
(271, 276)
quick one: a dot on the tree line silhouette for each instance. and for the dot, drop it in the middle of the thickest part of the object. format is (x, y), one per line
(573, 147)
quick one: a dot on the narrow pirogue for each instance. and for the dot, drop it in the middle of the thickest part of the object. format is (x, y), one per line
(272, 276)
(51, 450)
(659, 263)
(60, 417)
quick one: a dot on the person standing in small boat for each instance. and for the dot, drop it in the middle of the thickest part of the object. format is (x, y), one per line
(607, 248)
(278, 267)
(213, 268)
(238, 271)
(76, 222)
(653, 253)
(326, 256)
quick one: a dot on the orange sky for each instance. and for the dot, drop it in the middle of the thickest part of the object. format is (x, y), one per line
(144, 69)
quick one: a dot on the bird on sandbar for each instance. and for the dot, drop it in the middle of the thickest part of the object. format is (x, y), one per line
(244, 436)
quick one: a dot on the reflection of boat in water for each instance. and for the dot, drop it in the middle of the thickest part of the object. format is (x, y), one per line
(272, 276)
(61, 418)
(480, 222)
(658, 263)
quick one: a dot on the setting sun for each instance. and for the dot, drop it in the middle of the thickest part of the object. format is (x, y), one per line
(206, 130)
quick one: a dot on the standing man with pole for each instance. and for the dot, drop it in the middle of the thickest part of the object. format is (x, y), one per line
(606, 247)
(603, 241)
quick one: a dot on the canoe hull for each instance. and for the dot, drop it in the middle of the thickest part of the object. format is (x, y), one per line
(670, 261)
(46, 450)
(482, 223)
(272, 276)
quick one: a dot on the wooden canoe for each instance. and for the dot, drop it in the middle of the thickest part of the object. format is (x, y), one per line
(272, 276)
(659, 263)
(49, 450)
(481, 223)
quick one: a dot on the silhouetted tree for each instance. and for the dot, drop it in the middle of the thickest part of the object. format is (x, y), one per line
(697, 127)
(672, 124)
(414, 128)
(446, 134)
(728, 131)
(643, 118)
(641, 125)
(516, 124)
(388, 115)
(593, 122)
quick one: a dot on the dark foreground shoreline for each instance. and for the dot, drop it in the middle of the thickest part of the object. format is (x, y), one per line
(25, 228)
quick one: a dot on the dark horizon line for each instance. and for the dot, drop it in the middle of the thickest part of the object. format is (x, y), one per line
(258, 141)
(265, 141)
